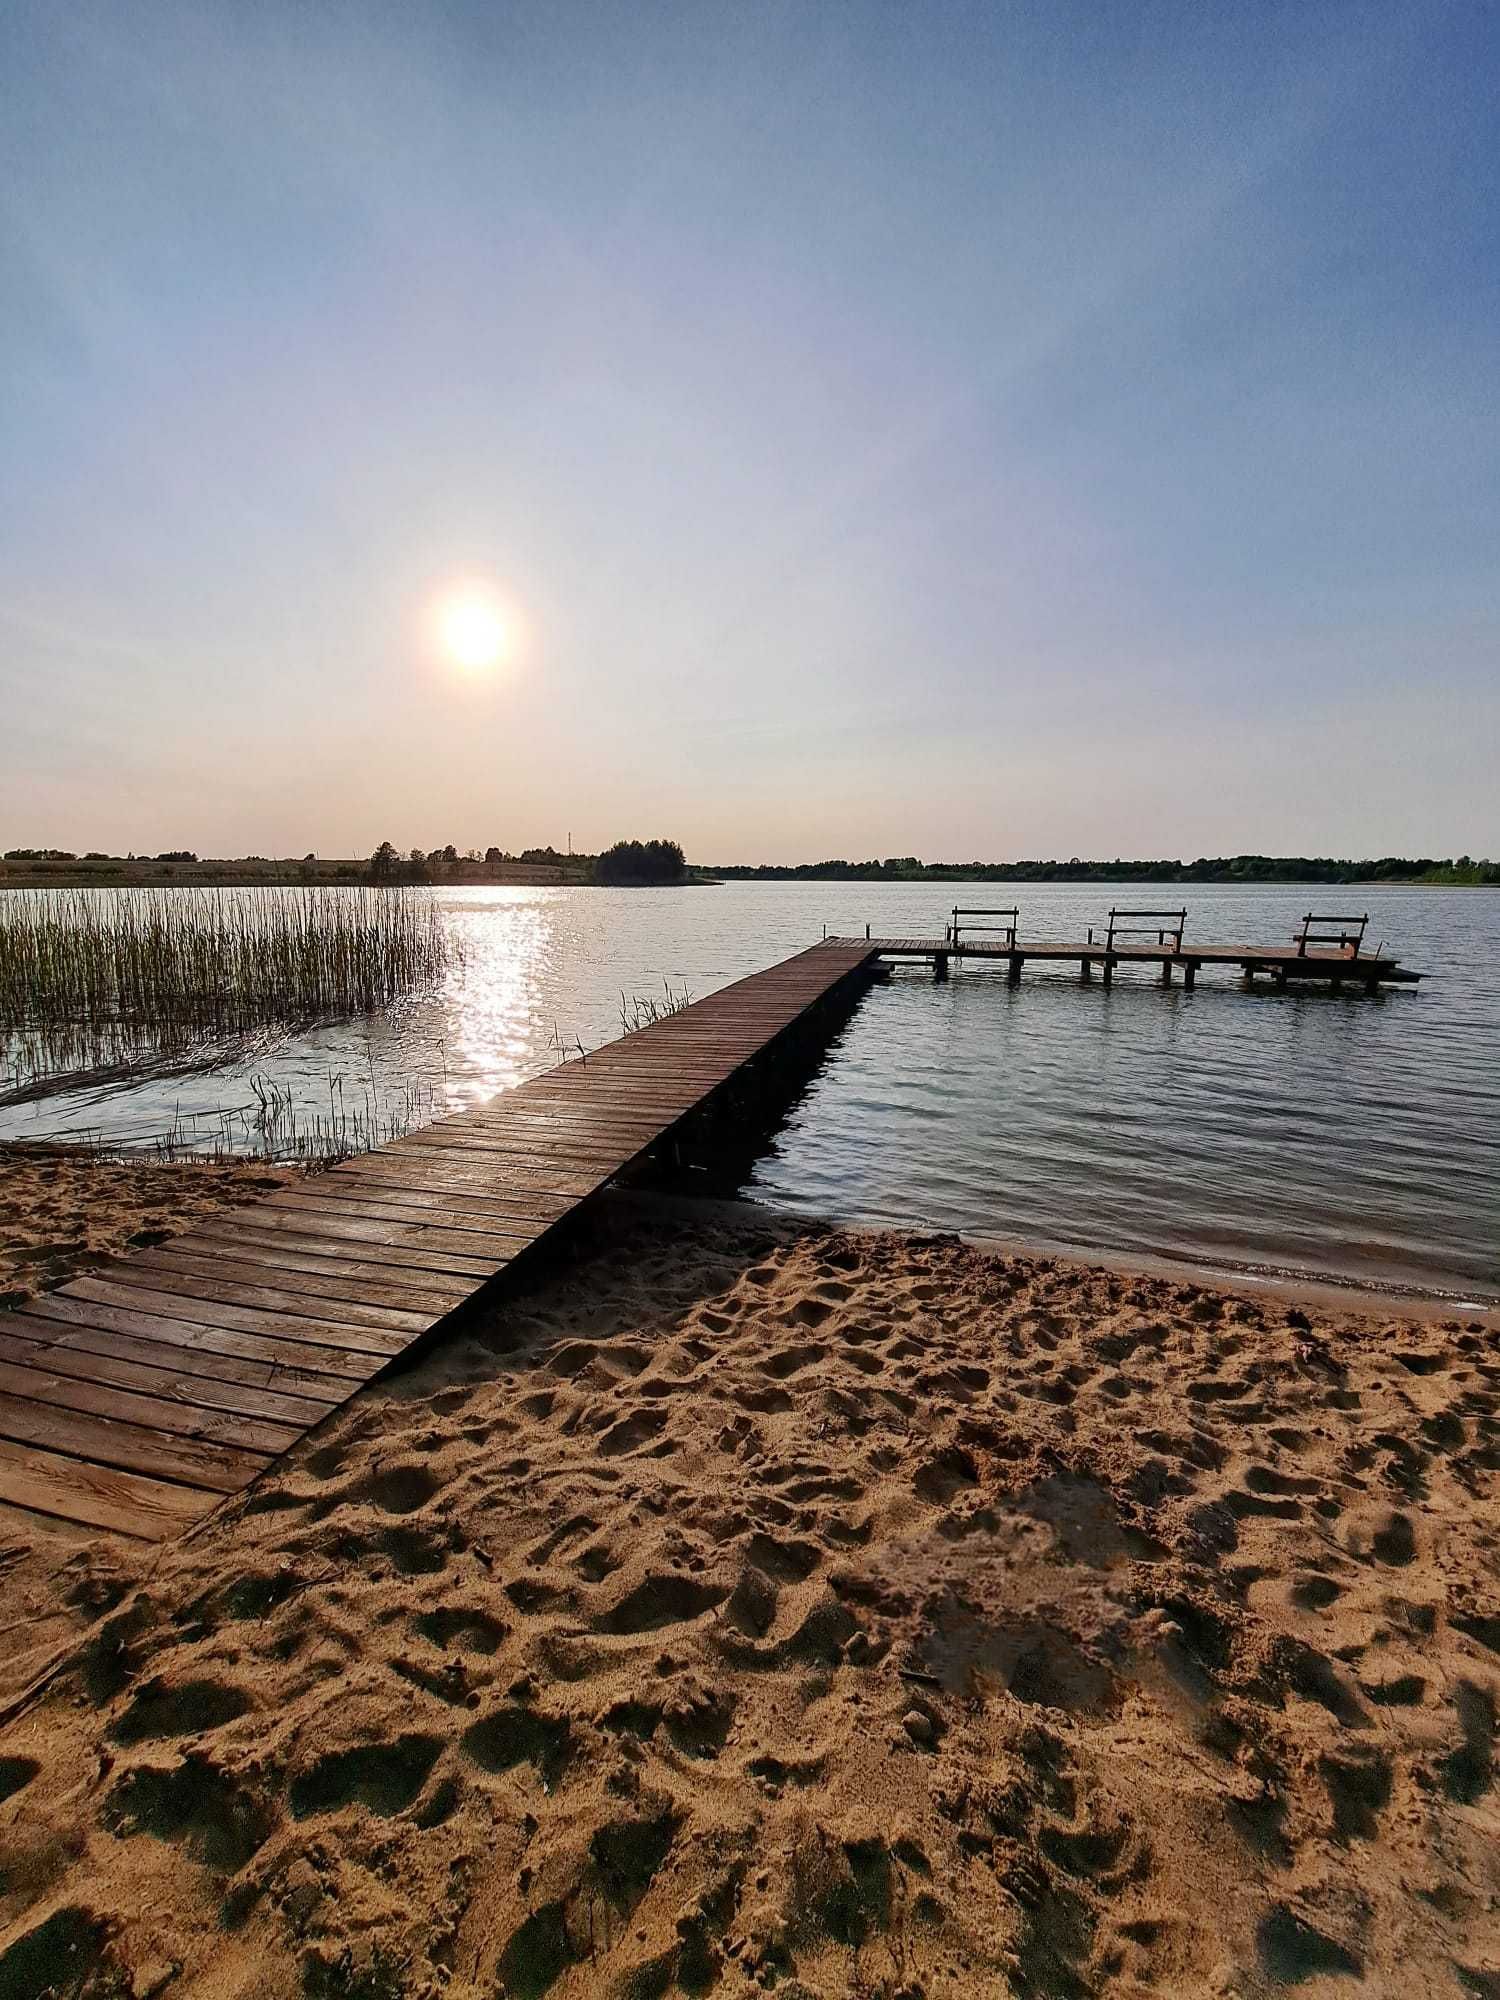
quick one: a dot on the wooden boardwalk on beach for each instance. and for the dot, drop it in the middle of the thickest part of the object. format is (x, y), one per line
(136, 1398)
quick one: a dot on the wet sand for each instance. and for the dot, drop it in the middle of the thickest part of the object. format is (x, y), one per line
(747, 1606)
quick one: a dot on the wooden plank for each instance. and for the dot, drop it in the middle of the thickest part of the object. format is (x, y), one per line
(553, 1164)
(546, 1110)
(52, 1344)
(39, 1383)
(459, 1173)
(307, 1245)
(98, 1496)
(437, 1249)
(623, 1093)
(328, 1373)
(278, 1284)
(479, 1216)
(501, 1204)
(129, 1447)
(500, 1181)
(580, 1157)
(415, 1236)
(383, 1333)
(558, 1136)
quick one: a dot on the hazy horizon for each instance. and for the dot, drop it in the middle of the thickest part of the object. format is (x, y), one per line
(977, 431)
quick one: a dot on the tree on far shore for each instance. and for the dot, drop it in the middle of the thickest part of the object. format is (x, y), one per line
(641, 863)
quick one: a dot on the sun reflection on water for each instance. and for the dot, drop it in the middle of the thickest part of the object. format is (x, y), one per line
(492, 998)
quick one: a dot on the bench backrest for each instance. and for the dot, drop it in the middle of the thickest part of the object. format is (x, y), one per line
(1347, 933)
(961, 920)
(1165, 925)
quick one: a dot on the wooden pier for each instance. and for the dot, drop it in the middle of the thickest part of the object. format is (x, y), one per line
(1326, 949)
(137, 1398)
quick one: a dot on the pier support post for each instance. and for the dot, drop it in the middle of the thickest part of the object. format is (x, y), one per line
(1190, 974)
(1087, 971)
(940, 965)
(1013, 974)
(1107, 971)
(1166, 972)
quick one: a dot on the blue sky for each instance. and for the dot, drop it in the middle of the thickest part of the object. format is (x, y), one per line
(964, 430)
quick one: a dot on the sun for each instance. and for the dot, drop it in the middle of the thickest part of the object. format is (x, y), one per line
(472, 631)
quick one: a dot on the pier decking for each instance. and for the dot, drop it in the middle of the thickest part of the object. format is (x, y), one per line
(1282, 968)
(137, 1398)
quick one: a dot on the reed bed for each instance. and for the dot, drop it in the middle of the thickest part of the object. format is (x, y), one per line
(642, 1010)
(89, 977)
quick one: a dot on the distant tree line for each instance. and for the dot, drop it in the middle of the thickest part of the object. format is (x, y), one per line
(94, 854)
(1232, 868)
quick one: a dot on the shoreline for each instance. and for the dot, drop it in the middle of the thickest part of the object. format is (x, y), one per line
(211, 1182)
(1323, 1290)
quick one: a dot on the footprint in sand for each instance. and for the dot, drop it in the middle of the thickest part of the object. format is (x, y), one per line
(520, 1735)
(57, 1955)
(1291, 1950)
(395, 1489)
(456, 1628)
(194, 1803)
(1359, 1788)
(944, 1476)
(658, 1600)
(636, 1428)
(383, 1777)
(161, 1711)
(790, 1361)
(16, 1772)
(1469, 1771)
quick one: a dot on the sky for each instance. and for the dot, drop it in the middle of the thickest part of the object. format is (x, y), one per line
(958, 430)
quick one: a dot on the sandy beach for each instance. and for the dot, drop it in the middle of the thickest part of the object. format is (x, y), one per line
(754, 1606)
(62, 1208)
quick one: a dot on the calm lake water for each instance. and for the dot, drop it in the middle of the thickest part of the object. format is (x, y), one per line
(1296, 1132)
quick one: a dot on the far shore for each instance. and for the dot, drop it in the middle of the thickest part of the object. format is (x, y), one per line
(256, 874)
(353, 871)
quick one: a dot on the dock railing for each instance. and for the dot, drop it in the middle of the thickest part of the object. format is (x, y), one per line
(1344, 937)
(1163, 924)
(1006, 931)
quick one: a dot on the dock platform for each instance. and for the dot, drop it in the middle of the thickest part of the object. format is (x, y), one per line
(1327, 947)
(1280, 967)
(137, 1398)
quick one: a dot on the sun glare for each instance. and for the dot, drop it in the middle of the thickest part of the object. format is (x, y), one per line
(472, 631)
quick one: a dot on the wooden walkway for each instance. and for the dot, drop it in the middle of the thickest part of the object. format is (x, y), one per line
(1280, 966)
(136, 1398)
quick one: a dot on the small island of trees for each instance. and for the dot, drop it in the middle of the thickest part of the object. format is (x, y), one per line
(647, 863)
(629, 863)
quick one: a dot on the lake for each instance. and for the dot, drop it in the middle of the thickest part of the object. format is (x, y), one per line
(1301, 1132)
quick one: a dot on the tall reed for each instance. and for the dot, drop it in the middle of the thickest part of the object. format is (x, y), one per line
(177, 965)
